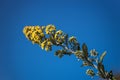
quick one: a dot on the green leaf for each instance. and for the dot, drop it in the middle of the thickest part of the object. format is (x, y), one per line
(102, 56)
(85, 50)
(101, 69)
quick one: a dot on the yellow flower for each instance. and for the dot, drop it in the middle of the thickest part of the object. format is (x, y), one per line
(35, 37)
(59, 32)
(25, 30)
(42, 34)
(46, 44)
(43, 44)
(56, 36)
(49, 43)
(32, 28)
(28, 34)
(47, 48)
(33, 34)
(49, 29)
(38, 29)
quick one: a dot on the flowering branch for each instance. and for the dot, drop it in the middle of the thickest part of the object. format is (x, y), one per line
(48, 36)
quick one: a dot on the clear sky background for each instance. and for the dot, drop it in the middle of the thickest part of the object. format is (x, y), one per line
(95, 22)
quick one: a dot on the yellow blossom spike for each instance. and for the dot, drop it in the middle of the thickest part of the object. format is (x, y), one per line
(36, 34)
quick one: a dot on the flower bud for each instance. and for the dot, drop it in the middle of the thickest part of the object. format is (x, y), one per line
(90, 72)
(93, 53)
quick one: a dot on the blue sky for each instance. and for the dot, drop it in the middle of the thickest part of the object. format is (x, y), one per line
(95, 22)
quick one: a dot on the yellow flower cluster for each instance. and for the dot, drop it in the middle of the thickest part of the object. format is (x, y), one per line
(47, 45)
(44, 36)
(34, 33)
(59, 37)
(50, 29)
